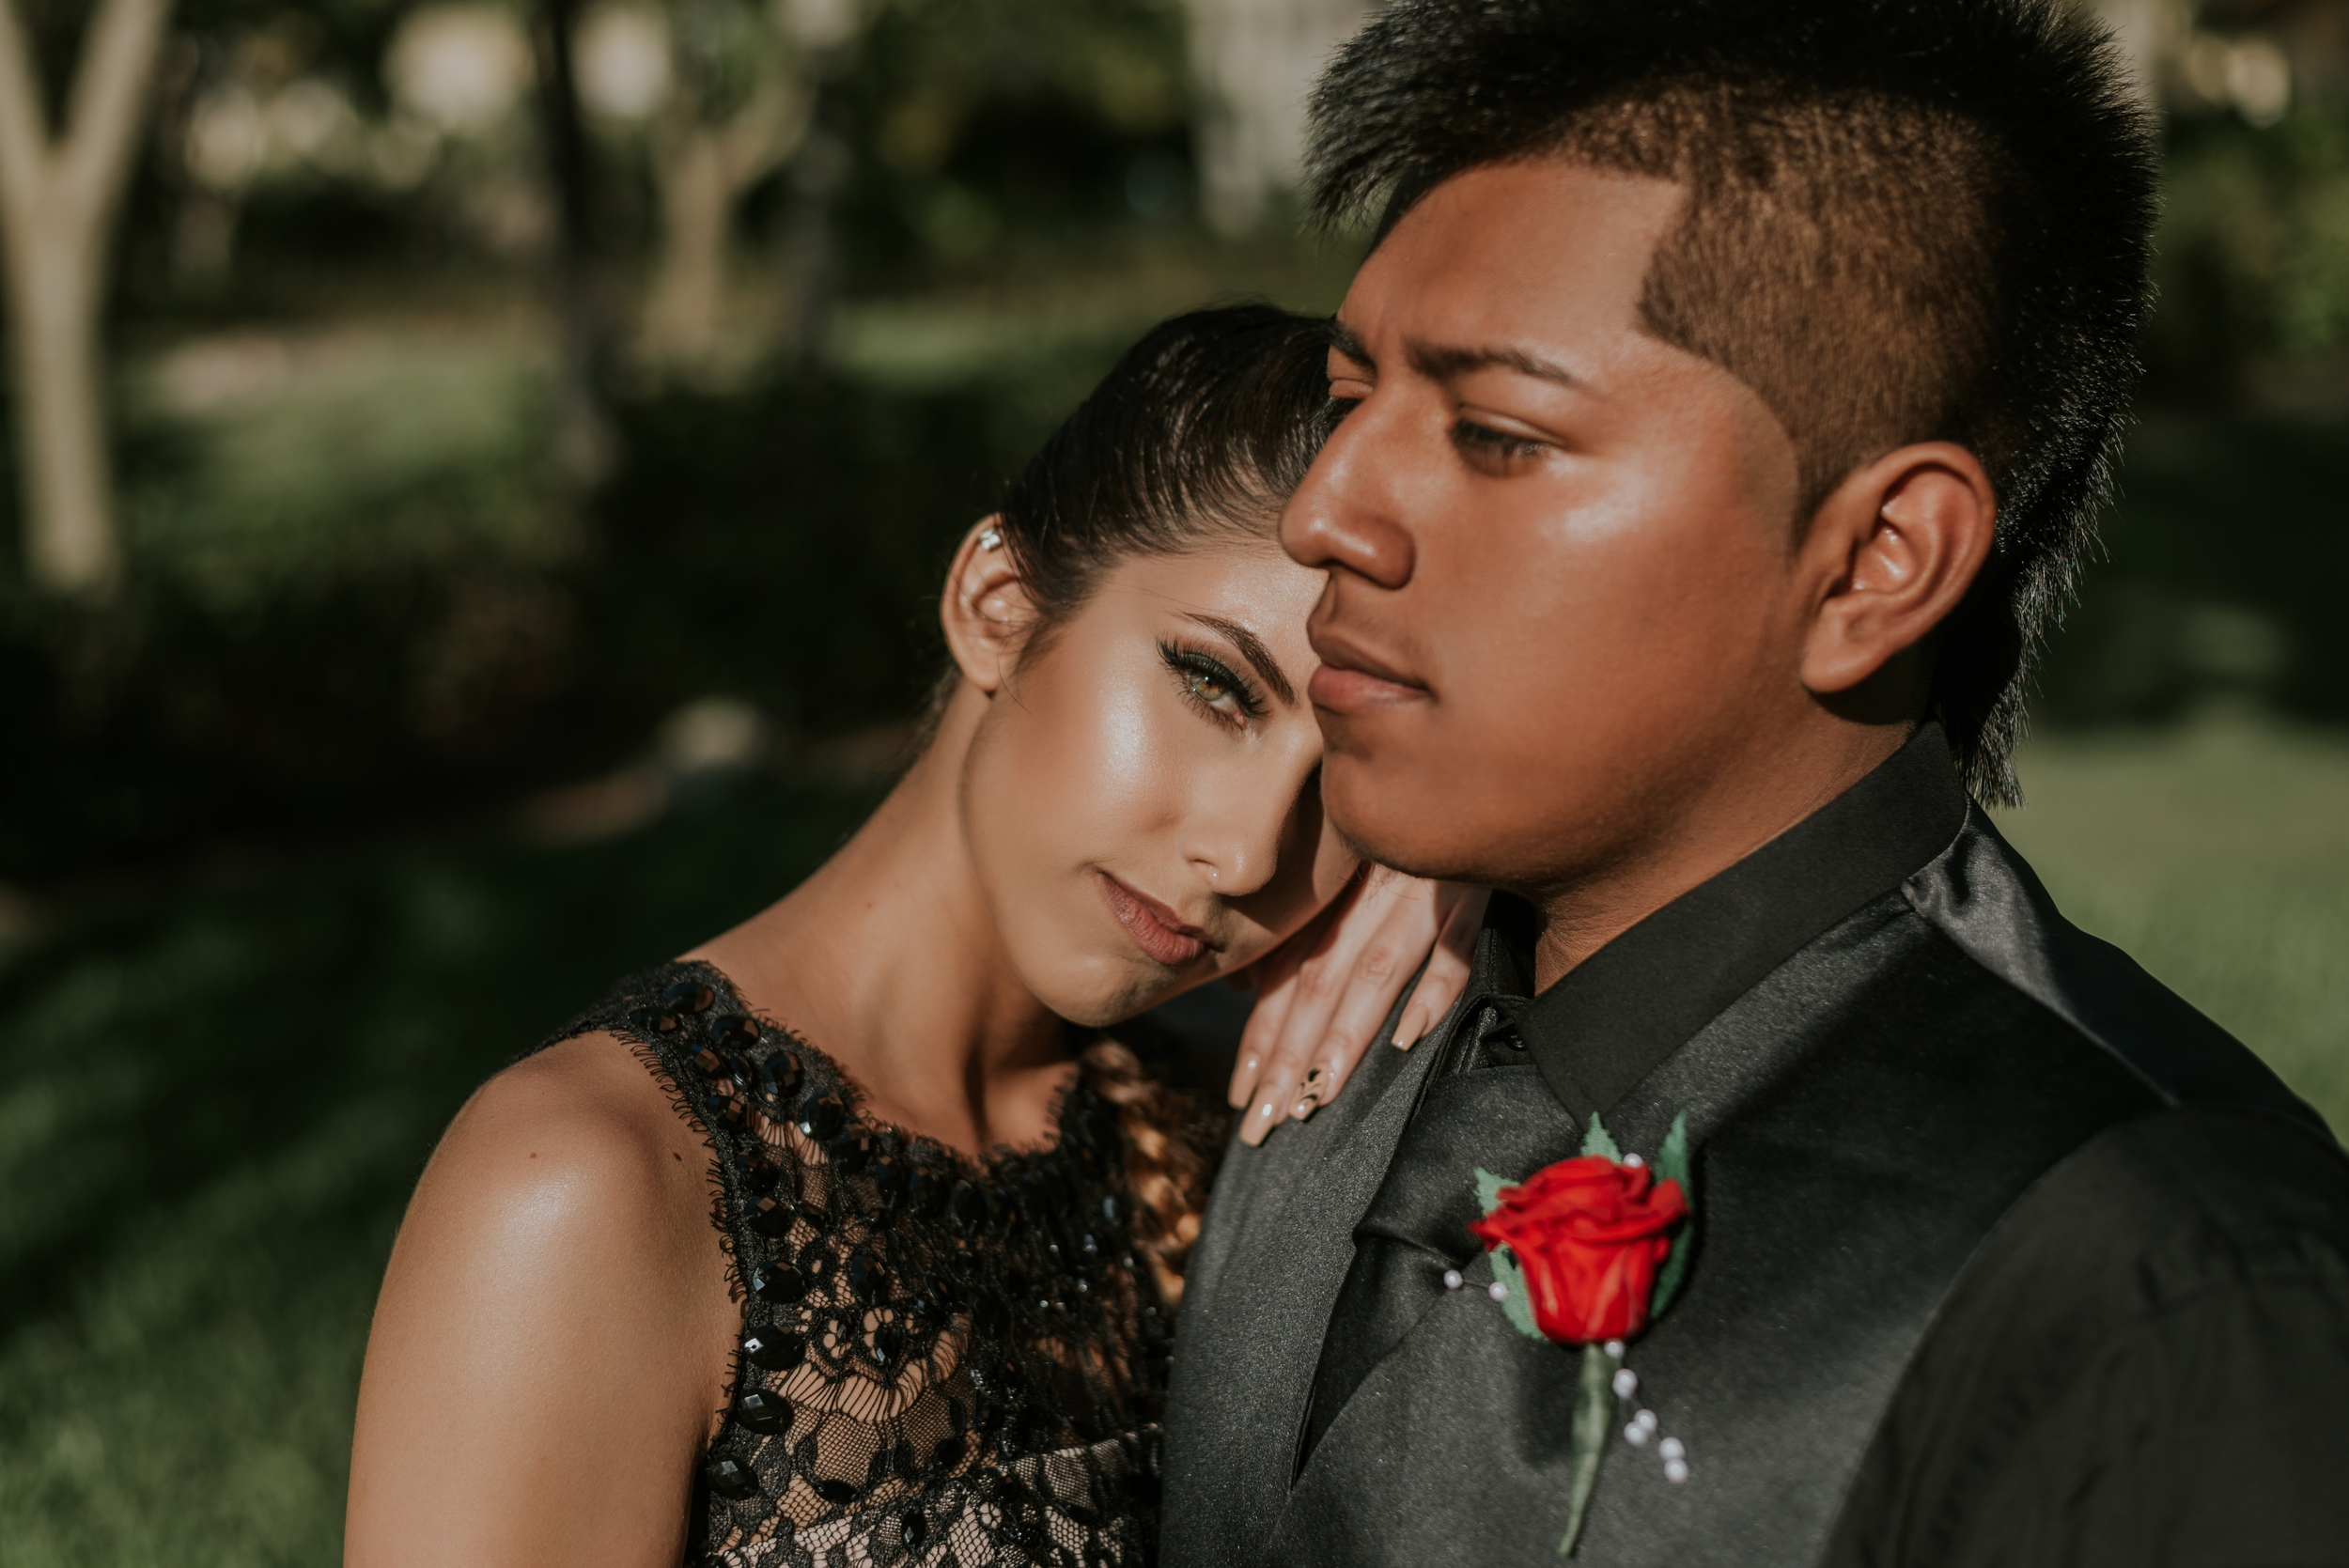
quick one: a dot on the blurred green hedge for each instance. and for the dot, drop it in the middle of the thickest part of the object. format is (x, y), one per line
(321, 633)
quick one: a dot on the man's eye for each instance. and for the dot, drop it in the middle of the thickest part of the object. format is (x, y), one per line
(1483, 441)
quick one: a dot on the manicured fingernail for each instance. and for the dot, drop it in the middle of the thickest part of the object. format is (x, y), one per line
(1316, 1084)
(1259, 1122)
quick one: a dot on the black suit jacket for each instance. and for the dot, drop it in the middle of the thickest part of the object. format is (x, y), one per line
(1904, 1075)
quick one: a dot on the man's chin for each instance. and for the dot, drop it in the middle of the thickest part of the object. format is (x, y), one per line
(1386, 817)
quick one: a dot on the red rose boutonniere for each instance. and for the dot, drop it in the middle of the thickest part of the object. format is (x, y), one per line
(1587, 1252)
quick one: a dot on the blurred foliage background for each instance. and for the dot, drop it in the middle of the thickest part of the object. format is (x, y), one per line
(530, 435)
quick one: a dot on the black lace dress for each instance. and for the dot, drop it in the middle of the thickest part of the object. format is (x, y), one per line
(943, 1363)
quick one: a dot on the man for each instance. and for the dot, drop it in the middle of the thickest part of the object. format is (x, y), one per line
(1726, 405)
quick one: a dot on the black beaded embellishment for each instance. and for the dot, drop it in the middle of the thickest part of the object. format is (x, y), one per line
(942, 1361)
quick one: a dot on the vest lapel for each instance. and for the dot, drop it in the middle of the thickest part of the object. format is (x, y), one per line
(1282, 1223)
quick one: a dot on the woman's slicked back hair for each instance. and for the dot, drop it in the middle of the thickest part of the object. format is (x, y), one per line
(1197, 435)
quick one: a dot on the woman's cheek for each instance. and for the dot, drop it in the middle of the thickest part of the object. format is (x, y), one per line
(1134, 747)
(1074, 777)
(1116, 775)
(1066, 747)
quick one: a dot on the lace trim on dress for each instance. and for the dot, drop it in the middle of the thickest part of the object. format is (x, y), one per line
(943, 1360)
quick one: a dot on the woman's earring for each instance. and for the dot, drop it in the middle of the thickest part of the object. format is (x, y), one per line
(989, 539)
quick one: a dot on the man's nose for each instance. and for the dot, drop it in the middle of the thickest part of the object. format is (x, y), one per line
(1348, 515)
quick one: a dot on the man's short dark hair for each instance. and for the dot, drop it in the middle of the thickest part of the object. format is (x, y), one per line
(1909, 220)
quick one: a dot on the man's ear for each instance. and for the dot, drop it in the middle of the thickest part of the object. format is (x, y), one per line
(987, 612)
(1892, 550)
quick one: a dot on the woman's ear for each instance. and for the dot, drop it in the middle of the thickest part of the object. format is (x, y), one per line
(987, 612)
(1894, 550)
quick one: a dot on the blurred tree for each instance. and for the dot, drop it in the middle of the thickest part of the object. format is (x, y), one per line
(57, 204)
(1255, 61)
(728, 89)
(584, 449)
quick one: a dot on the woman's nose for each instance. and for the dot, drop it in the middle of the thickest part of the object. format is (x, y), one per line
(1248, 825)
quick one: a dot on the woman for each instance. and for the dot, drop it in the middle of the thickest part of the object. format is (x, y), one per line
(951, 1217)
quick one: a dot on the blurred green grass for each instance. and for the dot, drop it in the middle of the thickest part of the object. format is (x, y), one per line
(2216, 853)
(214, 1107)
(212, 1114)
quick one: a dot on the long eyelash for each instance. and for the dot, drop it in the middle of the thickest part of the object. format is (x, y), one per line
(1195, 661)
(1500, 444)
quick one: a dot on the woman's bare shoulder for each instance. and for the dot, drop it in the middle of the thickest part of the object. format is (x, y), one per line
(583, 1123)
(557, 1305)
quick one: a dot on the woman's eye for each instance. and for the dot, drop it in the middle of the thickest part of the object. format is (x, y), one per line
(1207, 688)
(1208, 685)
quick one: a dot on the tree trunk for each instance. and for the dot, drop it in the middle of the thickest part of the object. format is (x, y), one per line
(57, 205)
(686, 306)
(585, 444)
(61, 415)
(702, 168)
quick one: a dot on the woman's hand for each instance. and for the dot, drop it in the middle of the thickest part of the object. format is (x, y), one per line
(1322, 994)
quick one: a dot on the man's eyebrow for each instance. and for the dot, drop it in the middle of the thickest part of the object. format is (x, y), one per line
(1348, 344)
(1445, 362)
(1252, 649)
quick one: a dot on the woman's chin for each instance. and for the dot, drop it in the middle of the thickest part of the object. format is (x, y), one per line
(1113, 993)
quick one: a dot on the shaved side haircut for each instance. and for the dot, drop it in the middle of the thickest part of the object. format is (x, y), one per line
(1904, 222)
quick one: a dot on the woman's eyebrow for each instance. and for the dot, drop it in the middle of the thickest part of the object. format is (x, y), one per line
(1252, 649)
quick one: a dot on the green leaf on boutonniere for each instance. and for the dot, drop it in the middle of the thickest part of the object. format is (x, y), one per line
(1599, 1140)
(1671, 1164)
(1516, 1305)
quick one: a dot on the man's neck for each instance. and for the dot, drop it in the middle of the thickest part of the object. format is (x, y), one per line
(1734, 813)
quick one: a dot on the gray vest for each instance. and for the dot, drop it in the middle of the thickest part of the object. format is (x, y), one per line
(1863, 1119)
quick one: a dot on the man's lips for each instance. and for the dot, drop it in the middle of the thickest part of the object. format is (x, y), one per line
(1155, 927)
(1351, 679)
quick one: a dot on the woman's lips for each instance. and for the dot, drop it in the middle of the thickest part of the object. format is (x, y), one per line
(1154, 927)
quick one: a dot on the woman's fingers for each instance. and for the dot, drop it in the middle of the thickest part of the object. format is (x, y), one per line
(1380, 973)
(1343, 986)
(1276, 995)
(1275, 992)
(1447, 973)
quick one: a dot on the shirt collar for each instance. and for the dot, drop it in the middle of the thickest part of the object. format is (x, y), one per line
(1614, 1017)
